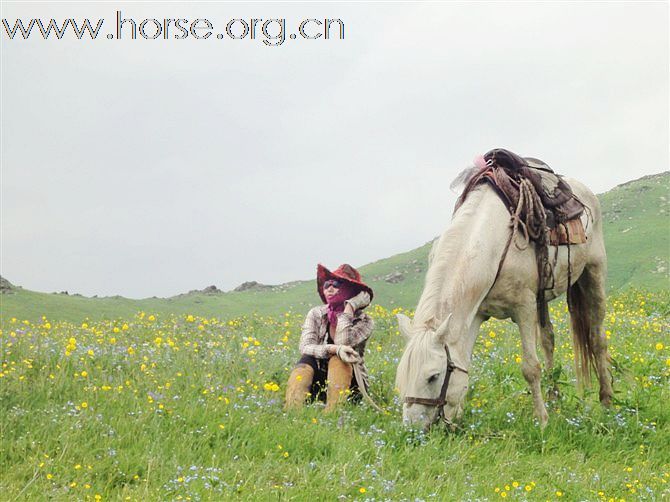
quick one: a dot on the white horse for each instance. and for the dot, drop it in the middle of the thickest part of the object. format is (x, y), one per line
(461, 292)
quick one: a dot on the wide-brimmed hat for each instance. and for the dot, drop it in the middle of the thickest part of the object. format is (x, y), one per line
(344, 272)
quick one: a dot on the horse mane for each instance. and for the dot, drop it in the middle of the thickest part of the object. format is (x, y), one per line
(430, 310)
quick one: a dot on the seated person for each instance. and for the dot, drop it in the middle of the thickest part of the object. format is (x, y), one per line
(333, 338)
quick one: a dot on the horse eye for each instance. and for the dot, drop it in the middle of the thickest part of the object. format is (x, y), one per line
(432, 378)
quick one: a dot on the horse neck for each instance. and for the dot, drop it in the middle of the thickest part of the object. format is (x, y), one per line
(464, 263)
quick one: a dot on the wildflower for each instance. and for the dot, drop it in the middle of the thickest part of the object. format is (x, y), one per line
(84, 374)
(84, 404)
(659, 346)
(559, 493)
(362, 489)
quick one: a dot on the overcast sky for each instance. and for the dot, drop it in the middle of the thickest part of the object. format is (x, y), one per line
(152, 167)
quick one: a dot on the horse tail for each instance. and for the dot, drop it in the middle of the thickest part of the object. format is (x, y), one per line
(580, 319)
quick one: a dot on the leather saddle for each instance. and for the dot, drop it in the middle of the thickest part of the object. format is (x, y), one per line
(559, 202)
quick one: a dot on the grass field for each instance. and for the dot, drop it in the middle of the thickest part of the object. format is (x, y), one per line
(180, 407)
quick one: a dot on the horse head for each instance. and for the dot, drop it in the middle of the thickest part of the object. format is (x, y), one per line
(431, 384)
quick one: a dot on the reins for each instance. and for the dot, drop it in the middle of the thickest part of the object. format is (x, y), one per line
(361, 387)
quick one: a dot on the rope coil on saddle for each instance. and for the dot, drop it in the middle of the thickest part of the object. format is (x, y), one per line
(529, 217)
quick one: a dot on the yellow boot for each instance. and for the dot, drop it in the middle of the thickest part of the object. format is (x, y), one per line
(339, 380)
(298, 386)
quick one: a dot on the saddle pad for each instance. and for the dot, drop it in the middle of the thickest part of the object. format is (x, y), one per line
(558, 236)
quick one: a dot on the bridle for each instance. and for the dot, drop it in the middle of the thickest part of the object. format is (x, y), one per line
(441, 400)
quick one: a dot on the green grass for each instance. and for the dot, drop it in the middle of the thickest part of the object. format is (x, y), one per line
(172, 407)
(637, 232)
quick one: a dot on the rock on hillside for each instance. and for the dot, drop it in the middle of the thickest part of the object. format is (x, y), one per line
(252, 286)
(6, 287)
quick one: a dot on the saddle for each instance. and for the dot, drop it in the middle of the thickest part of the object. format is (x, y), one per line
(541, 205)
(504, 171)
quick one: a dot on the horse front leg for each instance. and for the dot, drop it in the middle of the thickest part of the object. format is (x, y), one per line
(526, 319)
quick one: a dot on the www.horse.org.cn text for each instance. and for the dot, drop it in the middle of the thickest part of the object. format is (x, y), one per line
(271, 32)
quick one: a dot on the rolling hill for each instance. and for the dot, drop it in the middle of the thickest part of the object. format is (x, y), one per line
(637, 236)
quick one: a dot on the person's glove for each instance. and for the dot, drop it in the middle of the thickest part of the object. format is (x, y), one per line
(360, 301)
(348, 354)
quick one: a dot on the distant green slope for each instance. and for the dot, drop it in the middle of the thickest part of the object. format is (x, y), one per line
(637, 232)
(637, 236)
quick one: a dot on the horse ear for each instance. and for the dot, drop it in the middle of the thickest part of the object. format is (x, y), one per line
(441, 332)
(405, 325)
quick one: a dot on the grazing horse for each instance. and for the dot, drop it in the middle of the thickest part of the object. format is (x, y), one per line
(470, 278)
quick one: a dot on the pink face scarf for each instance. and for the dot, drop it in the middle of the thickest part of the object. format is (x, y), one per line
(336, 303)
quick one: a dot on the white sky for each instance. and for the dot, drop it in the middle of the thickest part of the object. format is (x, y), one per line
(147, 167)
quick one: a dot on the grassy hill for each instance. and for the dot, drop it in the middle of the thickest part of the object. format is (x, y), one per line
(637, 235)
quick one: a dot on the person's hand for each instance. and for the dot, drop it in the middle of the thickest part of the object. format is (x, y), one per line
(360, 301)
(348, 354)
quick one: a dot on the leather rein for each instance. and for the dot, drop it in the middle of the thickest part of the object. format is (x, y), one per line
(441, 400)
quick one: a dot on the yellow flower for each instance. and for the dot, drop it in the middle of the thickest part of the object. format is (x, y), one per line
(152, 317)
(503, 494)
(285, 454)
(362, 489)
(190, 318)
(659, 346)
(50, 476)
(84, 404)
(84, 373)
(559, 493)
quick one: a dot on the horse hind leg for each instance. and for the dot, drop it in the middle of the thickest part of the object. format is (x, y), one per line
(526, 319)
(587, 311)
(547, 340)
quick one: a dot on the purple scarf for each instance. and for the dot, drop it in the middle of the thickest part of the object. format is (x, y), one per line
(336, 303)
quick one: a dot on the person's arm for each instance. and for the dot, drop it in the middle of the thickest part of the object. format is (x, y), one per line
(310, 345)
(352, 331)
